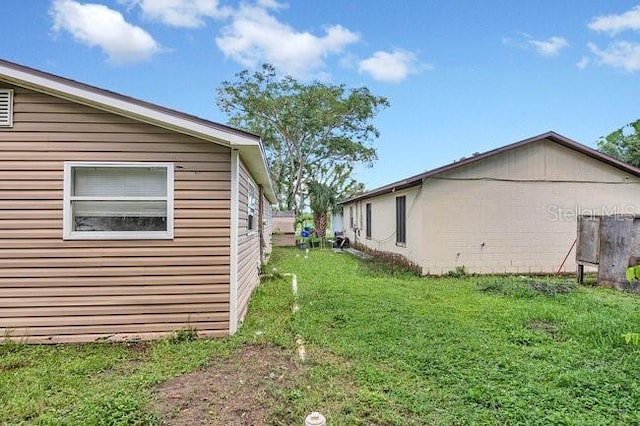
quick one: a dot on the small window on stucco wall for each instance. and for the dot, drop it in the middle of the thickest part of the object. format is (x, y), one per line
(368, 221)
(401, 220)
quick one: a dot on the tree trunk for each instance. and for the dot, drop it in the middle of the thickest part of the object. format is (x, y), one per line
(321, 225)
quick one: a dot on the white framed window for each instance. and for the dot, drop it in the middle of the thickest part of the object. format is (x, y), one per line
(6, 107)
(113, 201)
(252, 203)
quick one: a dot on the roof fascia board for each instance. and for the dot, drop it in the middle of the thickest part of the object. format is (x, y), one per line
(256, 161)
(113, 104)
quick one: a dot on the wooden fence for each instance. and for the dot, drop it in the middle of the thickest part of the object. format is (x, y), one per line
(612, 244)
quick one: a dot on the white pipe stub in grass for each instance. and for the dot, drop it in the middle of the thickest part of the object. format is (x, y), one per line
(315, 419)
(294, 289)
(302, 353)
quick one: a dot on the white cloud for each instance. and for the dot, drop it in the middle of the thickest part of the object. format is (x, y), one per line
(614, 24)
(97, 25)
(621, 54)
(549, 47)
(180, 13)
(391, 67)
(583, 62)
(255, 36)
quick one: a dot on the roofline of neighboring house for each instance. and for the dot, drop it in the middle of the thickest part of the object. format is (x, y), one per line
(564, 141)
(249, 145)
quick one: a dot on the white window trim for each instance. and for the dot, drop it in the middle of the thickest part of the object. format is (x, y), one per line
(250, 206)
(9, 121)
(233, 255)
(67, 224)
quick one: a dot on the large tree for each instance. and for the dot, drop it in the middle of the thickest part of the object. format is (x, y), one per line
(312, 132)
(623, 144)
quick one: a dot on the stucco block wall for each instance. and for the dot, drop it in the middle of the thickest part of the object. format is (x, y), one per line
(516, 212)
(53, 290)
(512, 212)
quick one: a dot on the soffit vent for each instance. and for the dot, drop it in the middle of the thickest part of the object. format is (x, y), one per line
(6, 107)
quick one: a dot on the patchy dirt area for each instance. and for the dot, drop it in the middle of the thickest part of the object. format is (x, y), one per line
(231, 391)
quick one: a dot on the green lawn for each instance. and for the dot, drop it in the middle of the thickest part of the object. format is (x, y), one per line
(383, 347)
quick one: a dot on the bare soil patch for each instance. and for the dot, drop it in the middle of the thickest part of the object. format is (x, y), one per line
(231, 391)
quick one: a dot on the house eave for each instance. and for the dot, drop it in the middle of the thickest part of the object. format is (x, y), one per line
(248, 144)
(125, 106)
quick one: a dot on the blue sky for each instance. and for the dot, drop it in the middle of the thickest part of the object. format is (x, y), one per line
(461, 76)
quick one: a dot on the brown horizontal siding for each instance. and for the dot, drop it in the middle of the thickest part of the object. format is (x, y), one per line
(124, 331)
(116, 127)
(248, 246)
(29, 96)
(125, 282)
(19, 185)
(63, 315)
(54, 243)
(59, 291)
(101, 252)
(109, 261)
(113, 271)
(115, 337)
(247, 276)
(29, 175)
(101, 331)
(42, 164)
(123, 319)
(57, 233)
(70, 117)
(141, 290)
(105, 146)
(137, 138)
(183, 204)
(82, 305)
(107, 156)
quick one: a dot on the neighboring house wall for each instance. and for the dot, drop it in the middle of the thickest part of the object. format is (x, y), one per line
(383, 223)
(516, 212)
(512, 212)
(248, 243)
(77, 290)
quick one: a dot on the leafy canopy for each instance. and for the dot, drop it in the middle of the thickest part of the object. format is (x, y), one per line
(623, 144)
(311, 132)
